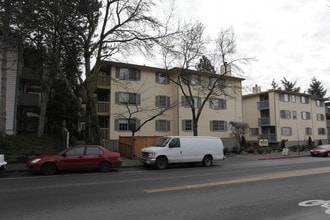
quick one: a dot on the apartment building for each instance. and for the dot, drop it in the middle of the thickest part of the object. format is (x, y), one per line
(278, 115)
(10, 66)
(20, 91)
(129, 95)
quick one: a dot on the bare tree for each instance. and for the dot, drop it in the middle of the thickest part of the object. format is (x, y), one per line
(136, 114)
(227, 52)
(110, 27)
(197, 88)
(238, 130)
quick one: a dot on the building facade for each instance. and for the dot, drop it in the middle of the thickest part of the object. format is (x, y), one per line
(10, 66)
(20, 91)
(277, 115)
(130, 95)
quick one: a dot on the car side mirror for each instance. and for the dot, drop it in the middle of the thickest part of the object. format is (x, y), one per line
(64, 155)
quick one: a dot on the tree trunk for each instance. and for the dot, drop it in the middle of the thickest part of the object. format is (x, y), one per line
(43, 109)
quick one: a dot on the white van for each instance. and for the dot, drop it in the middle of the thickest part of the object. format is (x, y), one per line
(183, 149)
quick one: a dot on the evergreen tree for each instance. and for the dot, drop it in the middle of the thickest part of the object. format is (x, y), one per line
(316, 88)
(290, 86)
(205, 65)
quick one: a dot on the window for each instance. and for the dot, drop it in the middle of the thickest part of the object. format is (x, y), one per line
(308, 131)
(162, 101)
(189, 101)
(93, 151)
(217, 125)
(175, 142)
(286, 114)
(126, 124)
(253, 131)
(189, 79)
(304, 99)
(162, 78)
(305, 115)
(294, 114)
(187, 125)
(162, 125)
(321, 131)
(219, 83)
(319, 103)
(128, 98)
(293, 98)
(218, 104)
(320, 117)
(284, 97)
(128, 74)
(286, 131)
(79, 151)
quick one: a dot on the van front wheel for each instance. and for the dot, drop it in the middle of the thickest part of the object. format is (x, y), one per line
(161, 163)
(207, 161)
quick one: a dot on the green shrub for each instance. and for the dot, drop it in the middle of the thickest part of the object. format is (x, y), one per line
(21, 147)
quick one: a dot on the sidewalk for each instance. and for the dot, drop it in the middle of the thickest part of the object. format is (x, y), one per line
(20, 167)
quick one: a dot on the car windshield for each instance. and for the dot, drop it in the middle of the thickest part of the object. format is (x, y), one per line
(162, 142)
(324, 147)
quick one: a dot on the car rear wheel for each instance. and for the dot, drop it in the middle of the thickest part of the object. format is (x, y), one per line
(207, 161)
(161, 163)
(105, 167)
(48, 168)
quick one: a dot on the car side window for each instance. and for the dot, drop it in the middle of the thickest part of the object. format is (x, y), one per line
(175, 143)
(93, 151)
(79, 151)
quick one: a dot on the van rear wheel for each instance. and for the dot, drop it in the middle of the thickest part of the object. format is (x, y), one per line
(207, 161)
(161, 163)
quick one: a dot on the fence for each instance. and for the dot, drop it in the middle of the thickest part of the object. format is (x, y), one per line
(130, 147)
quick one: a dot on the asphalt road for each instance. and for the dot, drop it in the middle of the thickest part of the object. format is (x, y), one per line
(233, 189)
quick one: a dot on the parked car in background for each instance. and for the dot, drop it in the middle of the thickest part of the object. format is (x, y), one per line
(81, 157)
(321, 150)
(3, 163)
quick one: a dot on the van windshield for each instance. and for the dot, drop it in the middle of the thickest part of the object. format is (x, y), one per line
(162, 142)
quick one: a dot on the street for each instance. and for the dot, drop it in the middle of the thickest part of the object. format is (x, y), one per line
(296, 188)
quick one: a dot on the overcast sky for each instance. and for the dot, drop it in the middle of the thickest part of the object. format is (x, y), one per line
(289, 38)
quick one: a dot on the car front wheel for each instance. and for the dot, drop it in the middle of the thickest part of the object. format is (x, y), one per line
(48, 168)
(161, 163)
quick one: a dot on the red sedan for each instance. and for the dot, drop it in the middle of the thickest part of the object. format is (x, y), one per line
(76, 157)
(321, 150)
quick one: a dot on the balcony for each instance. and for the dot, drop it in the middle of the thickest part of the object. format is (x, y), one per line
(263, 105)
(30, 99)
(270, 137)
(265, 121)
(103, 108)
(103, 82)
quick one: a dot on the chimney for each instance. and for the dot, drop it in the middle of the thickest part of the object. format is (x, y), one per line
(256, 89)
(225, 69)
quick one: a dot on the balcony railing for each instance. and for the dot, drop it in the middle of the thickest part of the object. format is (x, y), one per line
(103, 107)
(270, 137)
(263, 105)
(103, 82)
(265, 121)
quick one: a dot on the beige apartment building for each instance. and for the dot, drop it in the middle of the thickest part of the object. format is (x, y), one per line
(129, 95)
(278, 115)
